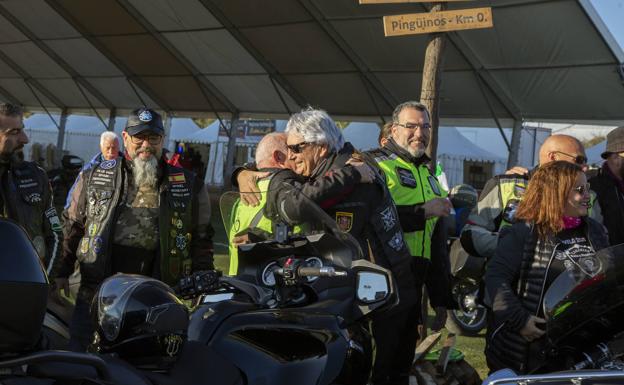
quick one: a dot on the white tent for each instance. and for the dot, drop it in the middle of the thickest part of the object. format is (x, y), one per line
(454, 149)
(593, 153)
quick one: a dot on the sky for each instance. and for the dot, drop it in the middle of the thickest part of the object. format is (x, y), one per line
(612, 13)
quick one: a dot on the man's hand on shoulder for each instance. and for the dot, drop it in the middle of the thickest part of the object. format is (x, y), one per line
(248, 186)
(437, 207)
(517, 170)
(367, 173)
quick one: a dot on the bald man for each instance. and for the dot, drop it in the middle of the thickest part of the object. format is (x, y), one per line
(271, 157)
(500, 196)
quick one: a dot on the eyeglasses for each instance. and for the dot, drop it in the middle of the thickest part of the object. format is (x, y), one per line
(578, 159)
(414, 126)
(297, 148)
(582, 190)
(139, 139)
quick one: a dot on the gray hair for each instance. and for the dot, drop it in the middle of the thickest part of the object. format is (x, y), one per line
(108, 136)
(409, 104)
(275, 141)
(316, 126)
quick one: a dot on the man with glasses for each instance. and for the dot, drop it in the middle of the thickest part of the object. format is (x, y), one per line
(609, 187)
(501, 195)
(420, 202)
(25, 193)
(134, 214)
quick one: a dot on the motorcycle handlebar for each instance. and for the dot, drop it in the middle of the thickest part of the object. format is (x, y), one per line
(324, 271)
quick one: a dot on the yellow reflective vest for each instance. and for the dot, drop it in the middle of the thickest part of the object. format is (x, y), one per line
(412, 185)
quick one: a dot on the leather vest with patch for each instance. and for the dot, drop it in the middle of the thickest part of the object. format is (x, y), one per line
(105, 189)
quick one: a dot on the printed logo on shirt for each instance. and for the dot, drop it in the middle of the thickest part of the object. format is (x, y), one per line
(406, 178)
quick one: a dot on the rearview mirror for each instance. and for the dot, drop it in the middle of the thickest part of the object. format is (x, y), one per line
(371, 287)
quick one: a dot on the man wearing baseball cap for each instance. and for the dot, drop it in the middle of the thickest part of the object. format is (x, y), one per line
(134, 214)
(609, 187)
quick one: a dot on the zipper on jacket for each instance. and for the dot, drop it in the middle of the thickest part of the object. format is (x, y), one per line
(497, 330)
(539, 304)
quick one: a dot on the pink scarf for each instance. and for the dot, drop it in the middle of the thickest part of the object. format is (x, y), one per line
(571, 222)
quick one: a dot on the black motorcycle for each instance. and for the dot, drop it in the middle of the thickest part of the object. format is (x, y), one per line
(584, 340)
(297, 312)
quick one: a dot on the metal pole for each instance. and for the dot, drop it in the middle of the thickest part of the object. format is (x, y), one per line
(231, 152)
(111, 119)
(60, 139)
(514, 152)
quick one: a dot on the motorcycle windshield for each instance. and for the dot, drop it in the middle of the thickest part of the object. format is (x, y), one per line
(256, 224)
(577, 299)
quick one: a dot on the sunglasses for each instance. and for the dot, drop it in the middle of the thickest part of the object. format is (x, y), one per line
(582, 190)
(139, 139)
(297, 148)
(414, 126)
(578, 159)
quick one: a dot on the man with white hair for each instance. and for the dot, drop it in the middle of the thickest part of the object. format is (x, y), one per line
(134, 214)
(109, 146)
(363, 208)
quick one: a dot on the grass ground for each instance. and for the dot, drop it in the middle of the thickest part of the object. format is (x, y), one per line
(472, 347)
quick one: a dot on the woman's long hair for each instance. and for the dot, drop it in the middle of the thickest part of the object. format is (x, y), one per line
(547, 195)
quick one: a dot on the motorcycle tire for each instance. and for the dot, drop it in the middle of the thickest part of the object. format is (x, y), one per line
(457, 322)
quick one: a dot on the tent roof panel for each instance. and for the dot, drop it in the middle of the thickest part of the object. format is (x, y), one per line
(214, 52)
(40, 19)
(245, 13)
(67, 91)
(102, 17)
(282, 46)
(119, 91)
(33, 60)
(6, 71)
(182, 93)
(8, 33)
(253, 93)
(84, 58)
(168, 15)
(19, 89)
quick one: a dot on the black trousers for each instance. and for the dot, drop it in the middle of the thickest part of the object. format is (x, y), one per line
(395, 333)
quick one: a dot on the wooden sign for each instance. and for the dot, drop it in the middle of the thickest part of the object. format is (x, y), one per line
(417, 23)
(406, 1)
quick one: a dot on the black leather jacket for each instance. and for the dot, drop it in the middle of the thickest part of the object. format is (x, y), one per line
(27, 197)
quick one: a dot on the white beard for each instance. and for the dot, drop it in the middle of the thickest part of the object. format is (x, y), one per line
(416, 153)
(145, 172)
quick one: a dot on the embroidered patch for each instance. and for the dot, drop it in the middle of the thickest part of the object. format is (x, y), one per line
(388, 218)
(509, 213)
(97, 244)
(55, 224)
(33, 198)
(177, 178)
(344, 221)
(519, 190)
(181, 242)
(93, 229)
(396, 242)
(433, 182)
(108, 164)
(84, 245)
(145, 116)
(406, 178)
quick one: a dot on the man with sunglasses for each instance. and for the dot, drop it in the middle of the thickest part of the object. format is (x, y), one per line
(501, 195)
(134, 214)
(25, 192)
(609, 187)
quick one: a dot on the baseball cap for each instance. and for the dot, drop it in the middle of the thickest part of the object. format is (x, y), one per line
(144, 120)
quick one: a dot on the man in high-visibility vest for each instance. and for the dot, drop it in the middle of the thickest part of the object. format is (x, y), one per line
(420, 202)
(271, 157)
(501, 195)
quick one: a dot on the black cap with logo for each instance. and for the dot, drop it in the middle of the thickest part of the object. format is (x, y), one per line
(145, 120)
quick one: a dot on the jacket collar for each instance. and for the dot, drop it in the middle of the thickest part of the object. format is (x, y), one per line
(393, 147)
(336, 158)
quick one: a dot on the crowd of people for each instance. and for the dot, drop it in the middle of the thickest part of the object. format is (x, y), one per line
(136, 212)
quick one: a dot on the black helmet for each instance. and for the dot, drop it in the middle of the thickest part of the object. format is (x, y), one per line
(23, 290)
(463, 196)
(140, 319)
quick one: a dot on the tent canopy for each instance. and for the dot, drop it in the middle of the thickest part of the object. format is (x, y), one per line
(543, 60)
